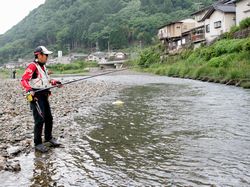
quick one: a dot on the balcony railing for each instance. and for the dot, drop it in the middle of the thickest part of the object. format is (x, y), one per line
(197, 37)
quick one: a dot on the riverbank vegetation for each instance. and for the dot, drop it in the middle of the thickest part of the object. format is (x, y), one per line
(76, 67)
(8, 73)
(226, 61)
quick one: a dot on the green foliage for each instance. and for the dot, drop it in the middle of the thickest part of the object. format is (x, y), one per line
(234, 29)
(173, 71)
(225, 60)
(246, 44)
(219, 49)
(75, 67)
(245, 23)
(186, 54)
(148, 57)
(218, 62)
(81, 24)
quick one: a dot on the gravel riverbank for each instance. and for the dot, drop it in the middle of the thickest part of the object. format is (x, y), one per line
(16, 131)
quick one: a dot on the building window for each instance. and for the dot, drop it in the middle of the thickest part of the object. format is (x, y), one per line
(207, 28)
(217, 24)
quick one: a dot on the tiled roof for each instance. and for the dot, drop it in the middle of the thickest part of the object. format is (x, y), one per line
(230, 8)
(227, 8)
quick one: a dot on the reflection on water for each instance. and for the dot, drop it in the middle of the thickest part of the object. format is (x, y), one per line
(168, 132)
(171, 135)
(43, 170)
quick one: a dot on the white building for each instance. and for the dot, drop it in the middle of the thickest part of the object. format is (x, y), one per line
(97, 56)
(120, 56)
(242, 10)
(218, 20)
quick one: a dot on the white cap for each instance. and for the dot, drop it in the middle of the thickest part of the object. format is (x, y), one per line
(42, 49)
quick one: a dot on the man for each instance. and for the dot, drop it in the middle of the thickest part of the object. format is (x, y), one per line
(14, 74)
(36, 78)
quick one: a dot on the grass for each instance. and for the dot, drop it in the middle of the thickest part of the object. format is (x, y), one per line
(72, 68)
(226, 60)
(7, 73)
(77, 67)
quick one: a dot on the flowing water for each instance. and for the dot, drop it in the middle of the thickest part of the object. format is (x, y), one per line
(168, 132)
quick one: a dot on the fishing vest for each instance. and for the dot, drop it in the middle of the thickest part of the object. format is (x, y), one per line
(42, 80)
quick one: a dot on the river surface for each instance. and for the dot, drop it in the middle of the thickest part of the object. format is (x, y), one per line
(168, 132)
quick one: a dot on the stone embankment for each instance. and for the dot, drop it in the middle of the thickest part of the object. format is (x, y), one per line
(16, 120)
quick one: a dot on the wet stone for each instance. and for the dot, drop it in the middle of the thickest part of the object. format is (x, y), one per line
(13, 165)
(14, 150)
(2, 162)
(17, 121)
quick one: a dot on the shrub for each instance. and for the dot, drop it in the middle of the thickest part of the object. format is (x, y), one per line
(246, 45)
(201, 71)
(214, 62)
(172, 71)
(184, 71)
(208, 53)
(245, 23)
(148, 57)
(222, 61)
(160, 71)
(194, 58)
(185, 54)
(234, 74)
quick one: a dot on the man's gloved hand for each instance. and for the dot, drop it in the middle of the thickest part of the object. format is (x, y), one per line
(56, 83)
(59, 84)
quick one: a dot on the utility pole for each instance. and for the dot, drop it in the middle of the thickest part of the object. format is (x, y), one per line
(97, 46)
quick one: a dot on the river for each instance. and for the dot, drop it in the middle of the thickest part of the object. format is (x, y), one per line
(168, 132)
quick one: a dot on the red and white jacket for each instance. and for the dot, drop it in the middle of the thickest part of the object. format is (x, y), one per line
(36, 77)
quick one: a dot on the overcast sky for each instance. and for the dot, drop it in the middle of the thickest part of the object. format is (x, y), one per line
(13, 11)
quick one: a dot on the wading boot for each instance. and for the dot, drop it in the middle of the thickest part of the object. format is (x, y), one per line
(41, 148)
(54, 143)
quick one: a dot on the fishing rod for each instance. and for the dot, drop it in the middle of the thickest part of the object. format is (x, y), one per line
(84, 78)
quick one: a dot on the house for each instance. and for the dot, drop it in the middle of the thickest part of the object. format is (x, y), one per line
(242, 10)
(11, 65)
(198, 36)
(198, 33)
(78, 56)
(170, 30)
(120, 56)
(207, 24)
(198, 15)
(97, 56)
(171, 34)
(92, 58)
(218, 19)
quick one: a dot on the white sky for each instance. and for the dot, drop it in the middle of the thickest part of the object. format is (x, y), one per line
(13, 11)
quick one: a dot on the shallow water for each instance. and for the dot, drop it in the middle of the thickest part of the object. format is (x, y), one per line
(168, 132)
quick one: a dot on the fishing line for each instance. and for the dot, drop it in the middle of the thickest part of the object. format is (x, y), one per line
(84, 78)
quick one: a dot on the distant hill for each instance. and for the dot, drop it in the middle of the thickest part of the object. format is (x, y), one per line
(82, 24)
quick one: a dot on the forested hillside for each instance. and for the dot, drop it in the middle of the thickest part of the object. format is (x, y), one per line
(81, 24)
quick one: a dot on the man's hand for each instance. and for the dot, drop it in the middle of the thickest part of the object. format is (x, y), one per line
(59, 84)
(56, 83)
(32, 93)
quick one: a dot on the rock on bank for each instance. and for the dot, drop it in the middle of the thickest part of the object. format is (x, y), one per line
(16, 120)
